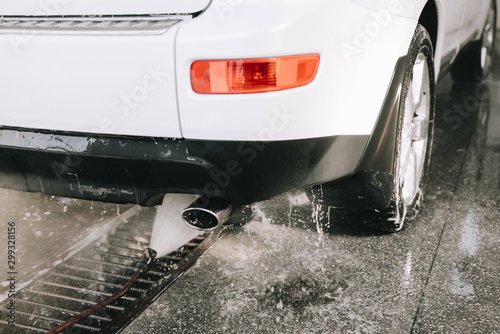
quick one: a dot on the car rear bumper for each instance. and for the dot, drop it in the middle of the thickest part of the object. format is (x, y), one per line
(142, 169)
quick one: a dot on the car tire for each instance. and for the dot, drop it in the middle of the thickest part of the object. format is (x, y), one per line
(474, 62)
(412, 147)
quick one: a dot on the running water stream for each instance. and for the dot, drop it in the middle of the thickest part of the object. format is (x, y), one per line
(169, 231)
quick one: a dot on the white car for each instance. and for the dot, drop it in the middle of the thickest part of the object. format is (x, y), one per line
(237, 100)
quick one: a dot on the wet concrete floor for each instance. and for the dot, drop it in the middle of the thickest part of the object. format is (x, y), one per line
(277, 274)
(439, 275)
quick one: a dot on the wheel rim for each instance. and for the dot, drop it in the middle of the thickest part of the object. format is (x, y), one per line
(415, 131)
(487, 40)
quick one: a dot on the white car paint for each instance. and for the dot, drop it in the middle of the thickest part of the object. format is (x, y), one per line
(92, 84)
(100, 7)
(409, 9)
(351, 66)
(106, 83)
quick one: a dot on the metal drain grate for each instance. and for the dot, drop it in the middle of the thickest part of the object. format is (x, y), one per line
(97, 272)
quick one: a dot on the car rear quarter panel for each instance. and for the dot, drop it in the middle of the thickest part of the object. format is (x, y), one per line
(408, 8)
(358, 48)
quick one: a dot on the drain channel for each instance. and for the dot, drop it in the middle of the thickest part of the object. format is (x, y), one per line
(96, 272)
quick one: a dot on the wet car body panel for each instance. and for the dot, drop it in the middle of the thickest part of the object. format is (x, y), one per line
(101, 110)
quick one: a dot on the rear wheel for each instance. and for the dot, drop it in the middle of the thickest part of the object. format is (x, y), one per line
(474, 63)
(412, 147)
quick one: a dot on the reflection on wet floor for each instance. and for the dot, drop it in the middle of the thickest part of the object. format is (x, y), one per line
(46, 227)
(468, 247)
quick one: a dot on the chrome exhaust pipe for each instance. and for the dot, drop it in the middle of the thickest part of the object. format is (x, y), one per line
(206, 214)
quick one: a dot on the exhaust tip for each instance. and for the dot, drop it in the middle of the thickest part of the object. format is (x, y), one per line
(206, 214)
(200, 219)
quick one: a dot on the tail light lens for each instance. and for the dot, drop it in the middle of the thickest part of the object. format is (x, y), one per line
(243, 76)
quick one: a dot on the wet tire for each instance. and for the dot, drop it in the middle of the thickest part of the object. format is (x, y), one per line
(412, 148)
(474, 62)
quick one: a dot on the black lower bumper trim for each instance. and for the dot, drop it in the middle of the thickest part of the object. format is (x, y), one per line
(142, 170)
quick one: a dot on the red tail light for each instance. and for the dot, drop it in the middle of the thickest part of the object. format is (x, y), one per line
(243, 76)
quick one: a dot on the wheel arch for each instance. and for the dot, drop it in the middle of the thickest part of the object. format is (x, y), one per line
(429, 20)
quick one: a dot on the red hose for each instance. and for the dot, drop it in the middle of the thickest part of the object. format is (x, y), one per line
(142, 267)
(96, 307)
